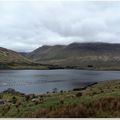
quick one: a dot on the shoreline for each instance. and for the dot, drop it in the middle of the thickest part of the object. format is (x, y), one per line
(96, 98)
(13, 91)
(63, 68)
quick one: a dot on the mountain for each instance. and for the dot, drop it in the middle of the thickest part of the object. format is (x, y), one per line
(9, 56)
(79, 55)
(11, 59)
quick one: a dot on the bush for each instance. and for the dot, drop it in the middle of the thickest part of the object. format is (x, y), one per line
(55, 90)
(27, 97)
(1, 96)
(79, 94)
(61, 102)
(14, 100)
(90, 65)
(61, 91)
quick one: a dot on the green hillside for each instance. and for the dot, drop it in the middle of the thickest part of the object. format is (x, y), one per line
(12, 60)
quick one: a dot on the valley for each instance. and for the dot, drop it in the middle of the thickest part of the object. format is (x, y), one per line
(93, 56)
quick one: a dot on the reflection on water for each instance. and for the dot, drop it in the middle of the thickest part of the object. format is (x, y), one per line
(41, 81)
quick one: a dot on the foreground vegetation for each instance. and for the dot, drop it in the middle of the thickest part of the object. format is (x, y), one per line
(99, 100)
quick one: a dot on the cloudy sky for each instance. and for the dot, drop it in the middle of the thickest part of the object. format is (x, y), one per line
(26, 25)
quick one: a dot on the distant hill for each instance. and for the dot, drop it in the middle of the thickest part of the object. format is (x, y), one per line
(12, 60)
(81, 55)
(9, 56)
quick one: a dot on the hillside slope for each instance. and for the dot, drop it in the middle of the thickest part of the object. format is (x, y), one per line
(81, 55)
(9, 56)
(12, 60)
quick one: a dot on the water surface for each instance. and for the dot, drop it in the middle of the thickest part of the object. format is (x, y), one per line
(42, 81)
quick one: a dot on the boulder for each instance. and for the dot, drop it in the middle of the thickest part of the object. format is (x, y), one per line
(2, 102)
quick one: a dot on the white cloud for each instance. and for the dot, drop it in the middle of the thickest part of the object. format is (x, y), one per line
(26, 25)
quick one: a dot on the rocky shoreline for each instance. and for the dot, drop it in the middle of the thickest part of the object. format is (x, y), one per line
(101, 98)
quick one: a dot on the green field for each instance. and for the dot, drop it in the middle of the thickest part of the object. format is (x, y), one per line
(99, 100)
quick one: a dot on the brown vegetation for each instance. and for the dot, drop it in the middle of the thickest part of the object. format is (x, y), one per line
(105, 107)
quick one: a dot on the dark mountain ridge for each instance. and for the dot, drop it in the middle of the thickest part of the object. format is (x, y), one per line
(81, 55)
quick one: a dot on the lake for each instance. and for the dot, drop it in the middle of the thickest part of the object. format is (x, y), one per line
(42, 81)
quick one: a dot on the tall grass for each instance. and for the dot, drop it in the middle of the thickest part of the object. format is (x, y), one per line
(106, 107)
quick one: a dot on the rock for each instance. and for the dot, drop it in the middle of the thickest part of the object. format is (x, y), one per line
(2, 102)
(37, 100)
(10, 90)
(34, 100)
(79, 89)
(13, 91)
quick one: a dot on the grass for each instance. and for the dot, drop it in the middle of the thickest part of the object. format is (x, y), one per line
(28, 66)
(99, 100)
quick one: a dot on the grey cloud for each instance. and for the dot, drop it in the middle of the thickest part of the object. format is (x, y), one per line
(26, 25)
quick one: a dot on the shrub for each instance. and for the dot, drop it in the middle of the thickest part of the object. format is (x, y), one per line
(14, 100)
(1, 96)
(61, 102)
(55, 90)
(79, 94)
(27, 97)
(90, 65)
(61, 91)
